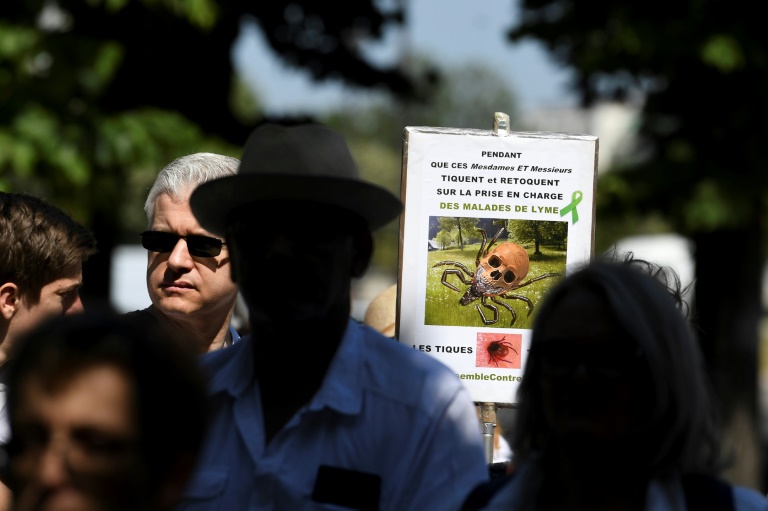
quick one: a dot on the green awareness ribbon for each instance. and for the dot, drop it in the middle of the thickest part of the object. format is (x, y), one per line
(571, 208)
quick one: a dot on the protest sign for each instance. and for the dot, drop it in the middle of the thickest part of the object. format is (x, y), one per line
(492, 220)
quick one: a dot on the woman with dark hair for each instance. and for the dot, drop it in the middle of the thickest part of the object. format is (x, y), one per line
(614, 410)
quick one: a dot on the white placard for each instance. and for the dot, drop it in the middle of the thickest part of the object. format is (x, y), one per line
(469, 301)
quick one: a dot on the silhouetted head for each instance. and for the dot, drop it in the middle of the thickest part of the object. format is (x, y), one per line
(615, 371)
(298, 219)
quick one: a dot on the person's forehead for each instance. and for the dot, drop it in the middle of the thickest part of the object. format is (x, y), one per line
(99, 396)
(172, 205)
(173, 214)
(70, 277)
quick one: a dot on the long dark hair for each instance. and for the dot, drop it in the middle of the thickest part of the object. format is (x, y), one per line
(646, 299)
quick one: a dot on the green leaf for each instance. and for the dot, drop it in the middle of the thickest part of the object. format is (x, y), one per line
(17, 41)
(724, 53)
(201, 13)
(708, 208)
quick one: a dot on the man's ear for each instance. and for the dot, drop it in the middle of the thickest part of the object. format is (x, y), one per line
(9, 299)
(363, 250)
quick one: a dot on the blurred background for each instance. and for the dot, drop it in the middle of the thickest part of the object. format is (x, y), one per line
(96, 96)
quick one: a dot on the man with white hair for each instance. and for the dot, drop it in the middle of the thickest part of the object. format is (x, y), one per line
(187, 267)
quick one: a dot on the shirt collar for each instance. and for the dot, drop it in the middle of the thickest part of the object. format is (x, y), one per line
(233, 336)
(342, 388)
(230, 369)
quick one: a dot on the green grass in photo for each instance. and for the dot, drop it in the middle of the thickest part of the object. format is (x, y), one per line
(442, 303)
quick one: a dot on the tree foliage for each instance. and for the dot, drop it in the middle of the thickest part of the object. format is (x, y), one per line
(96, 96)
(537, 232)
(461, 228)
(700, 69)
(701, 72)
(464, 96)
(444, 238)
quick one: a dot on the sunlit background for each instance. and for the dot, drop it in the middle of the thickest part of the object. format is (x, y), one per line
(97, 96)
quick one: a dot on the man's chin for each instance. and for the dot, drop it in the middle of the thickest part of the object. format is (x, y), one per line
(174, 307)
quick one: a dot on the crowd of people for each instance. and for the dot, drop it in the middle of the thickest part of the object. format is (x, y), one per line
(171, 408)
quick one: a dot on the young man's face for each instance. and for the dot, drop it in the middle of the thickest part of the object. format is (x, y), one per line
(179, 283)
(61, 296)
(74, 444)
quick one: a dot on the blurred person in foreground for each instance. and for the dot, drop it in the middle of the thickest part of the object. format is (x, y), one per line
(187, 267)
(42, 251)
(106, 415)
(314, 410)
(615, 409)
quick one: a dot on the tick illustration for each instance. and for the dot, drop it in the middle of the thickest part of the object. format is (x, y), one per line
(497, 273)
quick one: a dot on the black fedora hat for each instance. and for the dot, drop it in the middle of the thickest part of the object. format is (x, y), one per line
(306, 162)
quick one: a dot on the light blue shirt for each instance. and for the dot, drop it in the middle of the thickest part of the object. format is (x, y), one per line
(234, 334)
(383, 409)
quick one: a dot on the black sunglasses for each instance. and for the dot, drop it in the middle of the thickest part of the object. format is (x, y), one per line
(198, 246)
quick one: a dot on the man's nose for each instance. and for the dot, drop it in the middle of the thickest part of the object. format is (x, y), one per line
(52, 468)
(180, 257)
(76, 307)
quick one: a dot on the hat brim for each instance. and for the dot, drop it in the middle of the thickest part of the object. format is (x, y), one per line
(212, 201)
